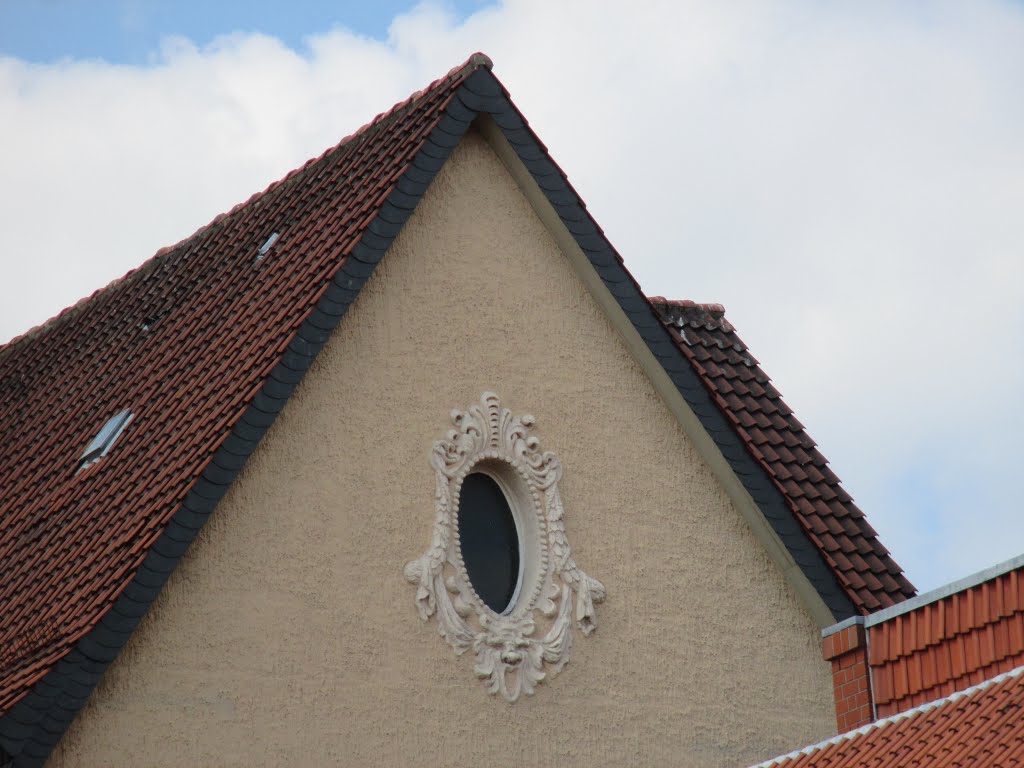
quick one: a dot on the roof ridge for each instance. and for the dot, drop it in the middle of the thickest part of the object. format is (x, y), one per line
(461, 71)
(717, 310)
(680, 312)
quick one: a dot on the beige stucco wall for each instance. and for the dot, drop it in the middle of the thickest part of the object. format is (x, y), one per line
(288, 635)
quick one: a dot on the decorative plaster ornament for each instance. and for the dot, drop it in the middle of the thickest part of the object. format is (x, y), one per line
(531, 638)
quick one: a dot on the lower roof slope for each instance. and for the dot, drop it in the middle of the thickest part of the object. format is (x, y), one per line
(980, 726)
(948, 643)
(782, 447)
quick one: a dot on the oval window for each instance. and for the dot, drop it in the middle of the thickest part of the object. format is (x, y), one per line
(489, 541)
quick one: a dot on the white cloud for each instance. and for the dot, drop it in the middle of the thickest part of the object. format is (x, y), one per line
(847, 179)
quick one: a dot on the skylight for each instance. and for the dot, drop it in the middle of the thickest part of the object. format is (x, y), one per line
(105, 439)
(267, 246)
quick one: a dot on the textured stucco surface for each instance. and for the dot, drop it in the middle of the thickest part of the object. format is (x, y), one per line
(288, 635)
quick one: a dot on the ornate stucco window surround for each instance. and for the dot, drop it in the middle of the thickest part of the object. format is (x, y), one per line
(530, 639)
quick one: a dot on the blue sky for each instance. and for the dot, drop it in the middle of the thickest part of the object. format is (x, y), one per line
(130, 31)
(845, 177)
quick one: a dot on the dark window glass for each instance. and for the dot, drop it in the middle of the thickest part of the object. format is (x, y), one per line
(490, 546)
(104, 441)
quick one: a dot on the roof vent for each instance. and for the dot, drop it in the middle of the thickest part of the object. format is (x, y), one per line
(104, 441)
(267, 246)
(149, 322)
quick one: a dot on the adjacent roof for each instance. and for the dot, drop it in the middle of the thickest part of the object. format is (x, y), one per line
(949, 641)
(205, 343)
(783, 449)
(980, 726)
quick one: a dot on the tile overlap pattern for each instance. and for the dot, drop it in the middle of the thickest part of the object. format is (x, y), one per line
(980, 727)
(781, 445)
(948, 645)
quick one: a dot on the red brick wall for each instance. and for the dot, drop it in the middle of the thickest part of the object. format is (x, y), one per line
(847, 650)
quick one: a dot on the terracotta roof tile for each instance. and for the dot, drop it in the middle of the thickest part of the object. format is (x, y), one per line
(958, 639)
(980, 726)
(778, 441)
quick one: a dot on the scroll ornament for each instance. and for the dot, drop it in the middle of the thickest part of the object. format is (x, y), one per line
(531, 640)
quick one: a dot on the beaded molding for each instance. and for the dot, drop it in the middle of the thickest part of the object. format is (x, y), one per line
(529, 641)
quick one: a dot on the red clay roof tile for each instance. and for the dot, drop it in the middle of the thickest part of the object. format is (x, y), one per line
(981, 726)
(965, 636)
(871, 579)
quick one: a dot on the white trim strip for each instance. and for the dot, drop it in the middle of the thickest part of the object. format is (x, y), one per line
(853, 621)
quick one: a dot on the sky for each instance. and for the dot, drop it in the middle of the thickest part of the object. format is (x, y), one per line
(846, 178)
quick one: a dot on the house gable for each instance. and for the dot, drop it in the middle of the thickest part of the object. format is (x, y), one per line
(49, 680)
(808, 523)
(288, 632)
